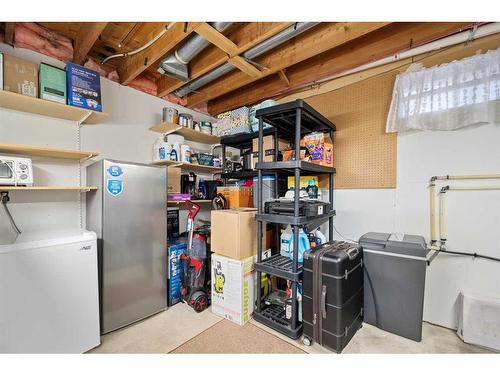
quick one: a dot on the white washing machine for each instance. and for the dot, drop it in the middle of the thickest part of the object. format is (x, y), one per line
(49, 298)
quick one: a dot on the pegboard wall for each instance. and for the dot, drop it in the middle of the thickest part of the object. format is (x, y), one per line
(364, 155)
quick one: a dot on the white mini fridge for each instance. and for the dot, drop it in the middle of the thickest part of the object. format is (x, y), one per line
(49, 300)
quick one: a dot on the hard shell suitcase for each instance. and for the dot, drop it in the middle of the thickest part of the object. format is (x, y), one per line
(333, 294)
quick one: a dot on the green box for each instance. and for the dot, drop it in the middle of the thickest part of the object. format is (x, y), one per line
(52, 83)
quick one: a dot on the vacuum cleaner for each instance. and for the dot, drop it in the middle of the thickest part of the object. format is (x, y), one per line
(194, 290)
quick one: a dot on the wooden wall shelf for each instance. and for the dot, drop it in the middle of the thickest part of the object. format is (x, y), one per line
(49, 152)
(47, 188)
(188, 166)
(187, 133)
(24, 103)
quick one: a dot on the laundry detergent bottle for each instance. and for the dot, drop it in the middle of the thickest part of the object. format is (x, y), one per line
(286, 241)
(303, 245)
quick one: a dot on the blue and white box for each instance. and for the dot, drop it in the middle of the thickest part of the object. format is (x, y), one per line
(84, 87)
(175, 271)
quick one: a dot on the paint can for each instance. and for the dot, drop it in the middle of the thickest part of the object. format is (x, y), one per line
(170, 115)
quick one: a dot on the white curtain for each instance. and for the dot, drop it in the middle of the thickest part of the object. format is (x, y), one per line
(447, 97)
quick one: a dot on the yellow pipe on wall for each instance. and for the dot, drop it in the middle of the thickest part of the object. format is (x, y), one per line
(433, 210)
(442, 224)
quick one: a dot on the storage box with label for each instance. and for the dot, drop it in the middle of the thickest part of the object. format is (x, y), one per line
(52, 83)
(20, 76)
(320, 147)
(173, 180)
(304, 181)
(84, 87)
(175, 271)
(234, 232)
(233, 288)
(237, 196)
(268, 143)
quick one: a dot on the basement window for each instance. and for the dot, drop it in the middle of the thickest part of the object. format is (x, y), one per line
(447, 97)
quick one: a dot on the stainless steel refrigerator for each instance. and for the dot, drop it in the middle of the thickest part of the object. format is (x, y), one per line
(129, 212)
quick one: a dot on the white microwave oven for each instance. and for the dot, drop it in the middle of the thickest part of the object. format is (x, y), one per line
(16, 171)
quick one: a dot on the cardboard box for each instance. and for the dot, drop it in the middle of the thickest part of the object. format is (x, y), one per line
(173, 180)
(237, 196)
(268, 142)
(233, 288)
(304, 181)
(320, 147)
(234, 233)
(84, 87)
(52, 83)
(175, 271)
(20, 76)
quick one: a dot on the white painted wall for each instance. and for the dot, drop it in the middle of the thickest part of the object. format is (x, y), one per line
(473, 217)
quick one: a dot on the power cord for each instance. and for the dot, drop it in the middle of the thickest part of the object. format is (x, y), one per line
(341, 236)
(4, 200)
(474, 255)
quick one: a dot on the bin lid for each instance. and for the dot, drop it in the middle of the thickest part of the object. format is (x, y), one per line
(403, 244)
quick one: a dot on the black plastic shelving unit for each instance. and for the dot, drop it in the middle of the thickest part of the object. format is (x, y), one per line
(291, 121)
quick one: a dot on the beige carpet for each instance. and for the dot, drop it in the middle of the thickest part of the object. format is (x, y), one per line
(229, 338)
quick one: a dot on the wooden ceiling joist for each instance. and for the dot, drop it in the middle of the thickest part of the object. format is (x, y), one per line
(379, 44)
(284, 78)
(9, 32)
(311, 43)
(136, 64)
(85, 39)
(166, 85)
(217, 38)
(243, 65)
(229, 47)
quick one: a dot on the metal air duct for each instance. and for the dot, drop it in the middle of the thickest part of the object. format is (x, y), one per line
(252, 53)
(176, 65)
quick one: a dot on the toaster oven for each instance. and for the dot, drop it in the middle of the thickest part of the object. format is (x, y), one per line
(16, 171)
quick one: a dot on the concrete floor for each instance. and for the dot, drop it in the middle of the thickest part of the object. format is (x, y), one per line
(166, 331)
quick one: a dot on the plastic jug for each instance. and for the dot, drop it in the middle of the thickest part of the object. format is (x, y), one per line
(286, 241)
(320, 237)
(161, 149)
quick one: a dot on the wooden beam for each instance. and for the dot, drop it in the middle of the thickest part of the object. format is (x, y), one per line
(306, 45)
(85, 39)
(245, 66)
(284, 78)
(379, 44)
(210, 61)
(9, 32)
(217, 38)
(134, 65)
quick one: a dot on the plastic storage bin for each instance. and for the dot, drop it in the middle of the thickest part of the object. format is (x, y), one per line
(394, 282)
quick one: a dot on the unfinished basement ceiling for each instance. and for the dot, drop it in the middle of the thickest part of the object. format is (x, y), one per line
(319, 52)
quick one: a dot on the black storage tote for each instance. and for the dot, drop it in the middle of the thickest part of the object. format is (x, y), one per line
(333, 294)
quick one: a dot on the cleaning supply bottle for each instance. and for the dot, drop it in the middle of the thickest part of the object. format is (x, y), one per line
(286, 241)
(161, 149)
(303, 246)
(312, 189)
(320, 237)
(175, 154)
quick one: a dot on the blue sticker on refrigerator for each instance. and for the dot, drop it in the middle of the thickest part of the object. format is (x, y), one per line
(114, 187)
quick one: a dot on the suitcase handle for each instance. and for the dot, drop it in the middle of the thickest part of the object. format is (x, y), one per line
(323, 301)
(352, 253)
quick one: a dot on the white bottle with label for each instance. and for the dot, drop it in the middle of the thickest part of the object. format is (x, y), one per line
(176, 152)
(286, 241)
(185, 154)
(161, 149)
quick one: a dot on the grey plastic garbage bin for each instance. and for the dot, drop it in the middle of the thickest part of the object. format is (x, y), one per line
(394, 282)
